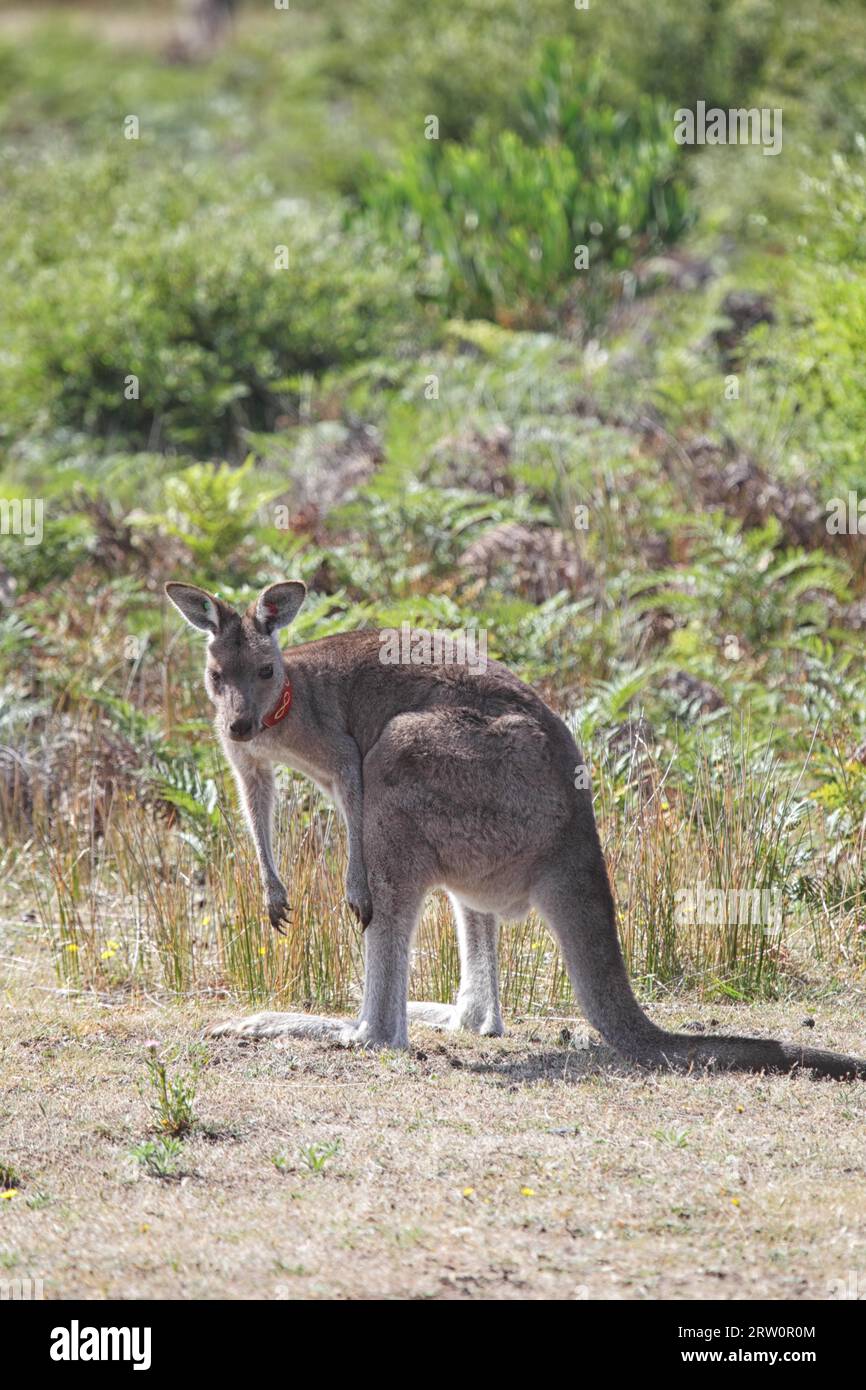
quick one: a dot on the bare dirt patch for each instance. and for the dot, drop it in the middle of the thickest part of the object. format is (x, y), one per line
(514, 1168)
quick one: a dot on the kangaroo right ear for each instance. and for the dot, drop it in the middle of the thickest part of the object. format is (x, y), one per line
(201, 609)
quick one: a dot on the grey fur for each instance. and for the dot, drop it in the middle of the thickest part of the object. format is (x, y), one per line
(445, 779)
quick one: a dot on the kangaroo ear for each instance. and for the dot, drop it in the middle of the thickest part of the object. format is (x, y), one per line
(201, 609)
(277, 605)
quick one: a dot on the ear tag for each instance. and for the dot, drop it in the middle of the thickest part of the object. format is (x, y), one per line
(209, 610)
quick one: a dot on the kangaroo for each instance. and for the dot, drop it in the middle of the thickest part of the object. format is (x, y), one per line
(448, 779)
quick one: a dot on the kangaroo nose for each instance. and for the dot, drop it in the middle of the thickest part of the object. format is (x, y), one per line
(241, 726)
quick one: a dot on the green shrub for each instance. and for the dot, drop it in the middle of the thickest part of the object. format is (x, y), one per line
(802, 411)
(821, 346)
(212, 510)
(502, 217)
(162, 275)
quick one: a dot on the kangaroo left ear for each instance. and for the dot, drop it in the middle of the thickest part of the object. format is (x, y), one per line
(277, 605)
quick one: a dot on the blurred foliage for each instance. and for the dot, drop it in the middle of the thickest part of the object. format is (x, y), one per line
(505, 216)
(172, 320)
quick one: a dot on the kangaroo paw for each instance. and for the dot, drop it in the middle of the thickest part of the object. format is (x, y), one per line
(360, 902)
(279, 912)
(434, 1015)
(267, 1025)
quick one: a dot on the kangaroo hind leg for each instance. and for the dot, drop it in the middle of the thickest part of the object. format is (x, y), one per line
(387, 950)
(382, 1021)
(477, 1007)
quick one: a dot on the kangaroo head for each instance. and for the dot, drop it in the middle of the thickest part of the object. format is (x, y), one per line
(244, 672)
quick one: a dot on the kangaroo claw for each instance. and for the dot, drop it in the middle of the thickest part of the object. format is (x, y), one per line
(279, 915)
(362, 908)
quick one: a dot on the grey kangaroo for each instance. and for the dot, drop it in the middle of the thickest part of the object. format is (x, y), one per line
(445, 779)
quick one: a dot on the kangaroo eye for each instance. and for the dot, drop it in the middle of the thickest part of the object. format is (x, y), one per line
(265, 672)
(216, 679)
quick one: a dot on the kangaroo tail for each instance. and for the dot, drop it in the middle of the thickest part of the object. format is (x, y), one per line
(578, 906)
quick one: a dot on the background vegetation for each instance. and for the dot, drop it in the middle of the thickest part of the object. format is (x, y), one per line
(410, 415)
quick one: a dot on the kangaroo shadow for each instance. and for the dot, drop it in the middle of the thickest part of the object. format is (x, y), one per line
(572, 1065)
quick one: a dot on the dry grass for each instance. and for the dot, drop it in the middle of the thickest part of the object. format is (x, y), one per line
(144, 878)
(521, 1168)
(515, 1168)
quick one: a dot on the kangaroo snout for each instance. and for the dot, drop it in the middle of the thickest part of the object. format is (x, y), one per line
(241, 728)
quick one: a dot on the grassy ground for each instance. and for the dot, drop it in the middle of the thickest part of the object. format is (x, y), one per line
(523, 1167)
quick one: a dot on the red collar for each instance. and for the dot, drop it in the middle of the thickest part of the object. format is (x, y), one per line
(281, 708)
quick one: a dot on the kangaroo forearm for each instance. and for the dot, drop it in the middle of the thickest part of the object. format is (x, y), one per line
(348, 790)
(349, 794)
(256, 786)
